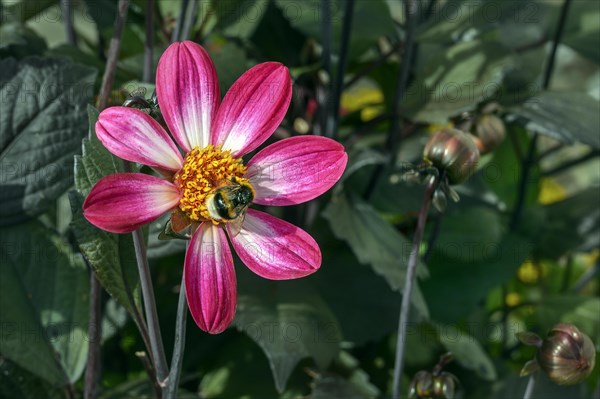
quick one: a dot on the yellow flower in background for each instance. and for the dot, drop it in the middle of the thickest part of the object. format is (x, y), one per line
(551, 191)
(528, 272)
(513, 299)
(367, 100)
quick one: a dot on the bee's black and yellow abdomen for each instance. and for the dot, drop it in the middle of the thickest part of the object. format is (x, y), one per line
(230, 207)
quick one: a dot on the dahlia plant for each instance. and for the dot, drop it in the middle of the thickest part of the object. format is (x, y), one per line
(208, 188)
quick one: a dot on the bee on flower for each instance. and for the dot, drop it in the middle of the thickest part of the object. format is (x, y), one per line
(209, 189)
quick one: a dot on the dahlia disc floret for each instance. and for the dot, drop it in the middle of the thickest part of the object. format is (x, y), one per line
(209, 189)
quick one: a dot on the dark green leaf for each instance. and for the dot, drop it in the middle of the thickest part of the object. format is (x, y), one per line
(503, 172)
(110, 255)
(17, 382)
(359, 159)
(230, 63)
(514, 387)
(456, 79)
(371, 20)
(455, 288)
(467, 351)
(289, 323)
(335, 387)
(239, 18)
(582, 30)
(374, 241)
(21, 11)
(570, 224)
(365, 305)
(566, 116)
(276, 39)
(584, 312)
(42, 123)
(47, 285)
(241, 370)
(453, 20)
(16, 40)
(469, 235)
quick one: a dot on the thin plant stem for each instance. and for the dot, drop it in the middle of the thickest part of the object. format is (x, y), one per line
(67, 14)
(94, 332)
(143, 356)
(529, 160)
(178, 346)
(113, 54)
(569, 164)
(412, 11)
(557, 36)
(596, 394)
(551, 151)
(435, 234)
(93, 361)
(190, 21)
(334, 112)
(408, 286)
(530, 386)
(323, 88)
(523, 184)
(566, 278)
(372, 66)
(587, 277)
(149, 45)
(156, 345)
(180, 20)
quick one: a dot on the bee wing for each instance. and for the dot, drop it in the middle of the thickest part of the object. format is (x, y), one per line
(235, 226)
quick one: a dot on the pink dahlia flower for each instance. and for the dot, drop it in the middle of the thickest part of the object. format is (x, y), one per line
(209, 189)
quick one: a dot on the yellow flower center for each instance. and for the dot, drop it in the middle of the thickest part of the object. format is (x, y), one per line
(205, 170)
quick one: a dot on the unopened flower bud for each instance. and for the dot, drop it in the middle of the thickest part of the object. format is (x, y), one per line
(427, 385)
(489, 132)
(567, 355)
(435, 384)
(454, 152)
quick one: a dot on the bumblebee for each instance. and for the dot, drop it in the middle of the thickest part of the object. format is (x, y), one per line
(229, 203)
(137, 99)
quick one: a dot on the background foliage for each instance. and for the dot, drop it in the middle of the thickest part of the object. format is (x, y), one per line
(483, 277)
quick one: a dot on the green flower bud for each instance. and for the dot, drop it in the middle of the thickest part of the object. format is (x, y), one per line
(489, 133)
(567, 355)
(454, 152)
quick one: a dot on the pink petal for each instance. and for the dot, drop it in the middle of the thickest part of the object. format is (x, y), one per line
(122, 202)
(253, 108)
(295, 170)
(210, 284)
(188, 93)
(275, 249)
(133, 135)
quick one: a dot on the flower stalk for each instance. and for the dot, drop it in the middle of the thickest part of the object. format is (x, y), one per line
(409, 284)
(530, 386)
(94, 332)
(412, 11)
(156, 345)
(178, 346)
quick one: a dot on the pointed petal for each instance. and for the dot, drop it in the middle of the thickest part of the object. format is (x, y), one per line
(530, 367)
(133, 135)
(122, 202)
(275, 249)
(188, 93)
(253, 108)
(295, 170)
(210, 284)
